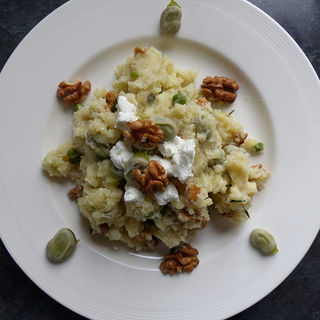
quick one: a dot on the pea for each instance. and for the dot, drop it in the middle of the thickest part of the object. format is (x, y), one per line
(139, 160)
(134, 74)
(61, 246)
(258, 147)
(179, 98)
(170, 20)
(263, 241)
(73, 156)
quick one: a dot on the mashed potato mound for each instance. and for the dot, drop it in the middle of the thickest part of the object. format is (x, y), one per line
(222, 175)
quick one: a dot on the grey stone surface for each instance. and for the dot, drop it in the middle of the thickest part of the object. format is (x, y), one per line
(298, 297)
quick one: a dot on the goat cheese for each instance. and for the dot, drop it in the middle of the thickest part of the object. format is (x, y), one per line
(169, 195)
(132, 194)
(182, 152)
(127, 112)
(165, 163)
(120, 154)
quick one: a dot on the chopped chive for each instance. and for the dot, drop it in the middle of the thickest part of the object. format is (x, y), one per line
(247, 213)
(233, 201)
(231, 112)
(114, 109)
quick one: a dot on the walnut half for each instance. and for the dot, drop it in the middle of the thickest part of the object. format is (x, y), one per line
(145, 133)
(73, 93)
(153, 179)
(219, 88)
(183, 260)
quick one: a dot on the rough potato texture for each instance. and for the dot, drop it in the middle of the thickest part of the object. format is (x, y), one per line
(223, 176)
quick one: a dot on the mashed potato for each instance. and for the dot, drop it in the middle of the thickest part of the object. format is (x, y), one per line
(221, 175)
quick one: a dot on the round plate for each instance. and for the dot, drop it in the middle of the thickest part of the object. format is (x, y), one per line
(277, 104)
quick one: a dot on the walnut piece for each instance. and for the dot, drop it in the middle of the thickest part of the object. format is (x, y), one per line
(145, 133)
(188, 189)
(183, 260)
(76, 192)
(240, 138)
(202, 101)
(104, 228)
(73, 93)
(153, 179)
(111, 99)
(138, 50)
(219, 88)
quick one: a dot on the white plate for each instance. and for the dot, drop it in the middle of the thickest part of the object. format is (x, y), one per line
(278, 103)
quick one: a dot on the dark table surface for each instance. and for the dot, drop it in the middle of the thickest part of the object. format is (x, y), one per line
(298, 297)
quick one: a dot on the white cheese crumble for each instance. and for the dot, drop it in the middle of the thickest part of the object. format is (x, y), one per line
(127, 112)
(132, 194)
(169, 195)
(182, 152)
(120, 154)
(165, 163)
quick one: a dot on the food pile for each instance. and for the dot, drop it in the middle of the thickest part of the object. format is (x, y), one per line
(150, 157)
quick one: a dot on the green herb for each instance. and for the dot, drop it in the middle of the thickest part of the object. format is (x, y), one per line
(179, 98)
(74, 156)
(232, 201)
(173, 3)
(150, 215)
(116, 100)
(99, 158)
(231, 112)
(176, 249)
(161, 90)
(199, 94)
(151, 97)
(258, 147)
(247, 213)
(134, 74)
(141, 115)
(114, 109)
(164, 210)
(78, 106)
(92, 208)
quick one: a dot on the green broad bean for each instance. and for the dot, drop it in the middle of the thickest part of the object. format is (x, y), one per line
(167, 126)
(95, 142)
(201, 128)
(61, 246)
(170, 20)
(139, 160)
(115, 174)
(263, 241)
